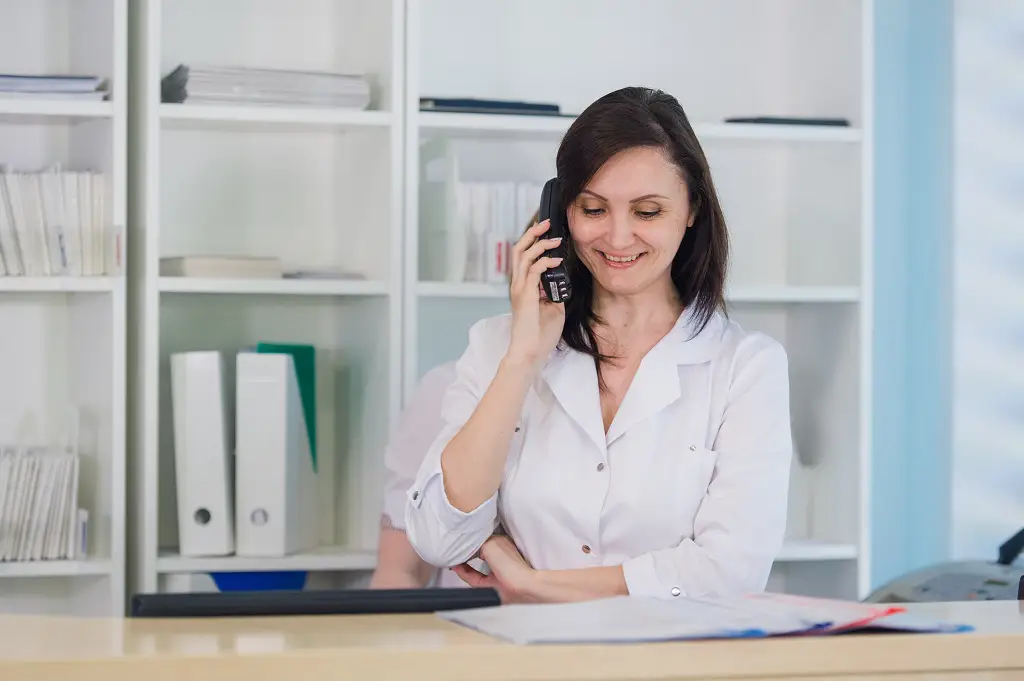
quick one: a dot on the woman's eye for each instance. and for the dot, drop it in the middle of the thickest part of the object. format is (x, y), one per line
(591, 212)
(648, 214)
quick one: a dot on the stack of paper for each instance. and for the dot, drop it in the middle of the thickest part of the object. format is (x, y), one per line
(52, 86)
(630, 619)
(39, 514)
(202, 84)
(54, 223)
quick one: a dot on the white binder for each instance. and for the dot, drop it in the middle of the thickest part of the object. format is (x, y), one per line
(275, 484)
(202, 454)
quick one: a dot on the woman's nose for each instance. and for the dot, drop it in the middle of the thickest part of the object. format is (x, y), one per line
(620, 231)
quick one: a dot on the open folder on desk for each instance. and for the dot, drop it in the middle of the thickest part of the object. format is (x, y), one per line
(630, 619)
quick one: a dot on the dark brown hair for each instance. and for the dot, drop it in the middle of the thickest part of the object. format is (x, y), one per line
(642, 117)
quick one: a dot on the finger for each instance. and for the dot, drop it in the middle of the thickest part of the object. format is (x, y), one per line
(472, 576)
(530, 256)
(537, 249)
(529, 236)
(542, 265)
(527, 239)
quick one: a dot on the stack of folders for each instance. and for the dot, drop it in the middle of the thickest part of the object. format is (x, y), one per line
(470, 228)
(39, 514)
(54, 223)
(15, 86)
(635, 619)
(210, 84)
(246, 487)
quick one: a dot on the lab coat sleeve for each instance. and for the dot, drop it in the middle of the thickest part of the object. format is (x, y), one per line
(739, 527)
(440, 533)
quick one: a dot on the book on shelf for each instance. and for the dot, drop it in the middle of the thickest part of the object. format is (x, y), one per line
(39, 513)
(221, 266)
(216, 84)
(470, 228)
(53, 86)
(53, 222)
(224, 266)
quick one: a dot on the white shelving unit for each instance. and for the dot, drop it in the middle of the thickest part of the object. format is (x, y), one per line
(63, 345)
(317, 187)
(797, 197)
(326, 187)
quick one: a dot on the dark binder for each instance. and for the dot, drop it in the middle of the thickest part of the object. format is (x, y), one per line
(491, 106)
(285, 603)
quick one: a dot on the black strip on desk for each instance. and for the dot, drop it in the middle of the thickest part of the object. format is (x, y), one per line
(339, 602)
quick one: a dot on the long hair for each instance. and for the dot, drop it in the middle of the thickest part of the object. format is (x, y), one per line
(642, 117)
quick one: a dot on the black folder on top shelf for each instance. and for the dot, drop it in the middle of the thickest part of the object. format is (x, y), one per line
(492, 106)
(335, 602)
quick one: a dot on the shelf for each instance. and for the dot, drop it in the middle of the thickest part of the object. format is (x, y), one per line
(41, 110)
(296, 287)
(767, 294)
(794, 294)
(473, 124)
(268, 116)
(476, 125)
(446, 289)
(58, 284)
(54, 568)
(777, 133)
(331, 558)
(808, 550)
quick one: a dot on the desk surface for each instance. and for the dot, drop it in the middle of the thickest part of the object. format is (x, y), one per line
(426, 648)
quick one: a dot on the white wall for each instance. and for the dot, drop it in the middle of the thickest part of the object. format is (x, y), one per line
(988, 395)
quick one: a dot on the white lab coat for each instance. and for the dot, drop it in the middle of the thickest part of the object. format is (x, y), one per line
(418, 426)
(687, 490)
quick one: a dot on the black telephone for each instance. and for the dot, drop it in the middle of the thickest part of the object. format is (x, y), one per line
(555, 281)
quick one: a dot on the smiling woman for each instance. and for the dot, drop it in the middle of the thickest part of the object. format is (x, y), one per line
(633, 440)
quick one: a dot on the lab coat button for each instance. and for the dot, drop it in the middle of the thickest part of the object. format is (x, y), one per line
(415, 496)
(586, 549)
(693, 448)
(675, 591)
(600, 467)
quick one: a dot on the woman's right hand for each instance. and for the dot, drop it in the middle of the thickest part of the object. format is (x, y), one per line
(536, 322)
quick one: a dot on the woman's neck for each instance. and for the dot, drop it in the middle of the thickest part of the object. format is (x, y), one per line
(649, 314)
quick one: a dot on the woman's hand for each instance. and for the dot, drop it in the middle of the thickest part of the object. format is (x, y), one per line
(510, 574)
(536, 322)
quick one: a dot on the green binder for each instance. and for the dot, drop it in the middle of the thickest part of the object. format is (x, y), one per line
(304, 358)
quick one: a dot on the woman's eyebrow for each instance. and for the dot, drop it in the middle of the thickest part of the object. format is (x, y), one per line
(639, 198)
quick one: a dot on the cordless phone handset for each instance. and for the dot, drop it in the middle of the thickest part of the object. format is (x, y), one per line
(555, 281)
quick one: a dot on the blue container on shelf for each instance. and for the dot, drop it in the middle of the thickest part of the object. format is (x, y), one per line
(291, 580)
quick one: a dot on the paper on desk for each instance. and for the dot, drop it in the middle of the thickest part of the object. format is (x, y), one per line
(627, 619)
(631, 619)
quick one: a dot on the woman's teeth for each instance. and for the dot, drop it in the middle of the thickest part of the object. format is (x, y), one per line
(614, 258)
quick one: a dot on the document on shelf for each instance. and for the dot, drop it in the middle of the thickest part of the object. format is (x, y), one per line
(632, 619)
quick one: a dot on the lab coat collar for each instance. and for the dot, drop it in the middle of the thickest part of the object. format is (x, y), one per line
(572, 377)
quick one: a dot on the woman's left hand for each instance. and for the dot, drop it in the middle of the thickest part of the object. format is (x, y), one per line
(510, 574)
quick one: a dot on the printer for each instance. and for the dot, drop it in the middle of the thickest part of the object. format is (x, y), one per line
(960, 580)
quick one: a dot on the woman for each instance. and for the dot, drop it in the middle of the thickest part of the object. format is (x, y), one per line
(398, 565)
(634, 441)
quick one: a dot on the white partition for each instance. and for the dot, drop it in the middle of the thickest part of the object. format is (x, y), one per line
(333, 188)
(62, 350)
(317, 187)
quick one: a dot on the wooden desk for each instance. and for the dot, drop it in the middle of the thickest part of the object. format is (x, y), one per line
(425, 648)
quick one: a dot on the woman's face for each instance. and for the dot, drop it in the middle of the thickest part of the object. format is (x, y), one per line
(628, 222)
